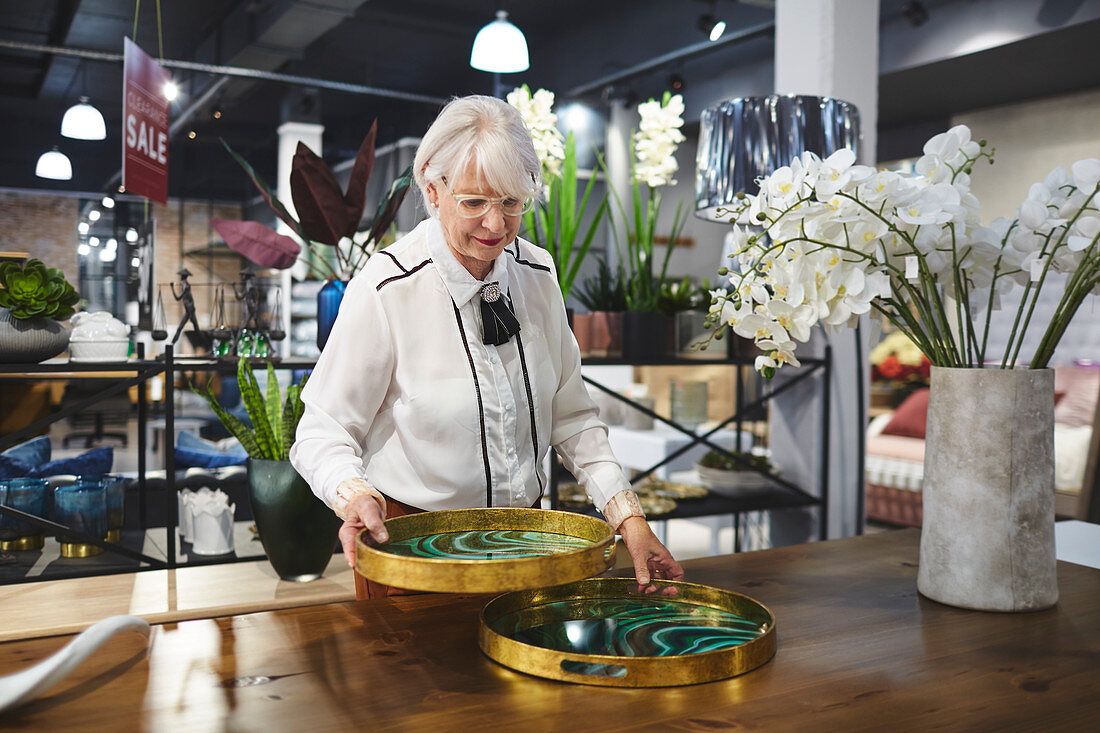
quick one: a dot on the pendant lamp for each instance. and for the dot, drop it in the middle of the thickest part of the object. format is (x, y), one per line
(500, 47)
(54, 164)
(82, 121)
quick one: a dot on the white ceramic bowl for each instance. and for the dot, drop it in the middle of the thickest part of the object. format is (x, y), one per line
(730, 483)
(104, 350)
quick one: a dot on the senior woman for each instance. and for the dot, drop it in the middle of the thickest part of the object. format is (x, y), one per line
(451, 369)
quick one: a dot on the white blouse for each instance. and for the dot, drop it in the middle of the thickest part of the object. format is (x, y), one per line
(406, 396)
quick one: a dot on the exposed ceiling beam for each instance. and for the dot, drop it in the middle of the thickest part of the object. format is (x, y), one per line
(234, 71)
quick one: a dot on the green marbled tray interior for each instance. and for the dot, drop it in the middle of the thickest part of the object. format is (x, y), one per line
(628, 627)
(495, 544)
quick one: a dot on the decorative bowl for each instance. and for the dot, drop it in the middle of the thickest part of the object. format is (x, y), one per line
(112, 350)
(487, 550)
(731, 483)
(601, 631)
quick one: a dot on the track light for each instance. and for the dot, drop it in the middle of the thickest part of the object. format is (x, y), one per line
(711, 27)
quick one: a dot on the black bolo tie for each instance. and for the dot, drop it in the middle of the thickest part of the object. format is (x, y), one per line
(498, 322)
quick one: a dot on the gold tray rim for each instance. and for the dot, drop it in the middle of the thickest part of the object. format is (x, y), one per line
(642, 671)
(486, 576)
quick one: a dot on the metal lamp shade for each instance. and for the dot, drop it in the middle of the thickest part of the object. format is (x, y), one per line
(500, 47)
(744, 139)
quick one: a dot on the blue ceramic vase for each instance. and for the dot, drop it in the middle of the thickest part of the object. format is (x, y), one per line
(328, 306)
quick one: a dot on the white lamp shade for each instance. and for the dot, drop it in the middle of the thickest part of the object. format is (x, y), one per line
(82, 121)
(54, 164)
(500, 47)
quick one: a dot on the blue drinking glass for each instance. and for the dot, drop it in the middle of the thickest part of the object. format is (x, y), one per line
(115, 486)
(27, 495)
(81, 506)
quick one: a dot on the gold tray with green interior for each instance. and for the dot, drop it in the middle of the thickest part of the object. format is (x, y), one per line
(603, 632)
(487, 550)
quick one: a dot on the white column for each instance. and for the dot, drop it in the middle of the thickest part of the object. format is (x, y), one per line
(826, 48)
(621, 124)
(290, 134)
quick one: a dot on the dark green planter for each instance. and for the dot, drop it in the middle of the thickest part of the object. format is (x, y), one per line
(297, 530)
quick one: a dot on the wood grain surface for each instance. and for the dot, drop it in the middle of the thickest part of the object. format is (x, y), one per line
(859, 649)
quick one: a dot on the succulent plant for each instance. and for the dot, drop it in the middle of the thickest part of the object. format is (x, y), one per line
(32, 289)
(274, 421)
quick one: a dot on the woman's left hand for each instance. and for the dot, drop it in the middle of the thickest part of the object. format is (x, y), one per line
(652, 560)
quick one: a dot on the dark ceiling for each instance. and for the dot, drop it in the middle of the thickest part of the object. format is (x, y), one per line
(416, 46)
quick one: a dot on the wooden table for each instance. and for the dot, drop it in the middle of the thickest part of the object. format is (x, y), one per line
(858, 650)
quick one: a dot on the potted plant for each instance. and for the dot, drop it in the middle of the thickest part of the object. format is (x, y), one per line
(297, 530)
(604, 295)
(557, 223)
(327, 223)
(844, 239)
(34, 300)
(647, 332)
(734, 472)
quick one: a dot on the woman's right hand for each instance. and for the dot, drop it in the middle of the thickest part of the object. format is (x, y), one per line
(363, 512)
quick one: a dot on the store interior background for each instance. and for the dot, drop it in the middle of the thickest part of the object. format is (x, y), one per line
(1020, 73)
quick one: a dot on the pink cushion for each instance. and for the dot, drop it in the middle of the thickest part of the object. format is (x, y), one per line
(896, 446)
(1082, 389)
(911, 417)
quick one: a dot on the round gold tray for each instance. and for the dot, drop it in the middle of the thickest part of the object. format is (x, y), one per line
(700, 635)
(516, 546)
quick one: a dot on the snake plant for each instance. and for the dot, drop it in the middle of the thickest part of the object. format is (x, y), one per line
(274, 420)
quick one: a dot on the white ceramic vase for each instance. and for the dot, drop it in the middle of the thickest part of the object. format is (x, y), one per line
(987, 541)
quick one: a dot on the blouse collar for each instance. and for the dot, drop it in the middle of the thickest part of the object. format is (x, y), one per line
(461, 285)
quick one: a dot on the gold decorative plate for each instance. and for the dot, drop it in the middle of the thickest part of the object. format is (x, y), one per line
(602, 632)
(487, 550)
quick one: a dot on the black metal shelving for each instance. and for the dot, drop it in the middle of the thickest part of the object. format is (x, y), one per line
(777, 493)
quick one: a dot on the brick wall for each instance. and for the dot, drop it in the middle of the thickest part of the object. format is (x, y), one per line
(43, 226)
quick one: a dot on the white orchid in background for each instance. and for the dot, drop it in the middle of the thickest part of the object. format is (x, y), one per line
(538, 115)
(656, 140)
(840, 239)
(558, 222)
(653, 167)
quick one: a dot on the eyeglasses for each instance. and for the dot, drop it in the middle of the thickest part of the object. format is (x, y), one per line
(472, 206)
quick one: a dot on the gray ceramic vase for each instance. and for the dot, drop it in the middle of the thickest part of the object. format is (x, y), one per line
(297, 530)
(987, 541)
(30, 340)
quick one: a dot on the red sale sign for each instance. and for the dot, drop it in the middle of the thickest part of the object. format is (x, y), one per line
(144, 125)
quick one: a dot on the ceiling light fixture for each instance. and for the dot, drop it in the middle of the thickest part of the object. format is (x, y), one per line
(94, 215)
(131, 235)
(83, 227)
(171, 91)
(500, 47)
(108, 202)
(82, 121)
(55, 165)
(83, 250)
(93, 241)
(709, 24)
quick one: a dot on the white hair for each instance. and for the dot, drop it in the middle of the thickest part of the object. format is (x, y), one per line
(487, 133)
